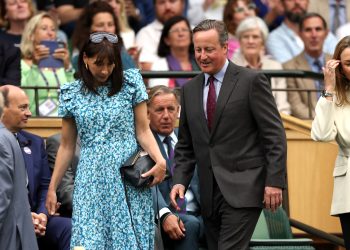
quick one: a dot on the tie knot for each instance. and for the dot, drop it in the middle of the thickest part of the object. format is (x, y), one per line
(211, 79)
(318, 64)
(167, 140)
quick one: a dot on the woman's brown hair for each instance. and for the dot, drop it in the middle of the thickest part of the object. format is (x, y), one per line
(342, 84)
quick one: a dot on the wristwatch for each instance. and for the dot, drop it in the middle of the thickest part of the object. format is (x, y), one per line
(324, 93)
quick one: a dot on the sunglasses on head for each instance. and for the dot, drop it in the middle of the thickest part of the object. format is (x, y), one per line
(98, 37)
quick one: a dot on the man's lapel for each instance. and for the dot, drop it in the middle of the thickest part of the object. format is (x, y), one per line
(27, 153)
(228, 84)
(198, 100)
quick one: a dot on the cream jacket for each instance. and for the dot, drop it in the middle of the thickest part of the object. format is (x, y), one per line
(333, 123)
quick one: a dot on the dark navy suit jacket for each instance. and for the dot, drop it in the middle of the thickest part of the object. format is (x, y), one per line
(166, 185)
(35, 158)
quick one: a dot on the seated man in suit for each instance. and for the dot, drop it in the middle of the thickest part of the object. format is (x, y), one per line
(185, 230)
(313, 31)
(54, 231)
(65, 189)
(16, 227)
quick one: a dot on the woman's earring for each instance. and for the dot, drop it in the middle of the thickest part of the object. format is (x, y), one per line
(86, 66)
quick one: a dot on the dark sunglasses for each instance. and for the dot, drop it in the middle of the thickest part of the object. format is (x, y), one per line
(97, 37)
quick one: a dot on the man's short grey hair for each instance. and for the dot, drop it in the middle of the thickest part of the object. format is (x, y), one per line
(161, 90)
(250, 23)
(1, 103)
(210, 24)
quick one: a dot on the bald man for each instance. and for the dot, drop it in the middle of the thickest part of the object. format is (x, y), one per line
(51, 231)
(16, 227)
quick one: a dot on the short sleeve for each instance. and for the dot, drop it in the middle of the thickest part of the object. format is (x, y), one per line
(68, 92)
(135, 85)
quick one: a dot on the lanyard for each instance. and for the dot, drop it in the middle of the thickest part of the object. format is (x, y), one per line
(47, 82)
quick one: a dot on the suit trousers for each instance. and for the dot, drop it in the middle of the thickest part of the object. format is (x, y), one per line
(228, 227)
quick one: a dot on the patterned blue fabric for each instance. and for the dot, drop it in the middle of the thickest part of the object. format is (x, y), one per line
(101, 218)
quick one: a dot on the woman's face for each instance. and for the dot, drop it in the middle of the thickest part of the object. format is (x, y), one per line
(46, 30)
(103, 22)
(116, 5)
(345, 62)
(101, 72)
(251, 42)
(17, 10)
(242, 10)
(179, 36)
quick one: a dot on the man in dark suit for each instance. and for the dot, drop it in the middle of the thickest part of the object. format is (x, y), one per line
(230, 127)
(16, 227)
(184, 230)
(65, 189)
(10, 70)
(54, 231)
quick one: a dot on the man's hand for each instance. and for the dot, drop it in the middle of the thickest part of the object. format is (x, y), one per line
(177, 190)
(272, 198)
(174, 227)
(39, 222)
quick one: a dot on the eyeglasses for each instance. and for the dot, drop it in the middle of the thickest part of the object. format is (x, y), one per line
(251, 6)
(98, 37)
(184, 30)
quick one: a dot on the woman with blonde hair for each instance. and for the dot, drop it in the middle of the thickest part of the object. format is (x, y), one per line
(332, 122)
(42, 27)
(252, 33)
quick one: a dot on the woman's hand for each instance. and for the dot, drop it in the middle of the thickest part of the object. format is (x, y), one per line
(40, 52)
(329, 74)
(51, 202)
(158, 172)
(62, 54)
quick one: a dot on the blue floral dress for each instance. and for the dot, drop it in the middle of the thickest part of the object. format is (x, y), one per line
(101, 219)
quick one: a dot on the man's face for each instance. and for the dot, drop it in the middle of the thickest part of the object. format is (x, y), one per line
(15, 116)
(162, 113)
(166, 9)
(313, 35)
(210, 54)
(295, 9)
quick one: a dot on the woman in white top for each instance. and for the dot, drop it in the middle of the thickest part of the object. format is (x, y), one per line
(332, 122)
(252, 33)
(175, 51)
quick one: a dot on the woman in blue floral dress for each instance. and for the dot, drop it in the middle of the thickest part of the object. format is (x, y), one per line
(106, 108)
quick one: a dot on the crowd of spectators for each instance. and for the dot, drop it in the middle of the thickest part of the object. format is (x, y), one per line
(147, 40)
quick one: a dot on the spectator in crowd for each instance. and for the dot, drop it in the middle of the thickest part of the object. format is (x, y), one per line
(148, 37)
(107, 108)
(42, 27)
(9, 64)
(16, 226)
(235, 11)
(126, 32)
(339, 10)
(313, 32)
(199, 10)
(252, 33)
(14, 15)
(184, 230)
(51, 231)
(332, 123)
(271, 11)
(139, 13)
(69, 12)
(98, 16)
(247, 154)
(284, 43)
(65, 188)
(175, 51)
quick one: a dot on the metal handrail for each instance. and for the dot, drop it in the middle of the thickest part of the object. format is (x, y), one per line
(316, 232)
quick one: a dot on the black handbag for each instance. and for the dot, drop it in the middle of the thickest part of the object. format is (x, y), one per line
(131, 171)
(135, 166)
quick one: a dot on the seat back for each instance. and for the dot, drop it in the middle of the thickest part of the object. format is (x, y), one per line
(278, 224)
(261, 230)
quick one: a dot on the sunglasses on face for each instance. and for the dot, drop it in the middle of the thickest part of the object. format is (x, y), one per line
(250, 6)
(98, 37)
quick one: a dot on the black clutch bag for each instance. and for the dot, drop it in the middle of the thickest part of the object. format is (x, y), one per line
(135, 166)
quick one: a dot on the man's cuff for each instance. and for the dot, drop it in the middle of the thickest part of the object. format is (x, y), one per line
(163, 211)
